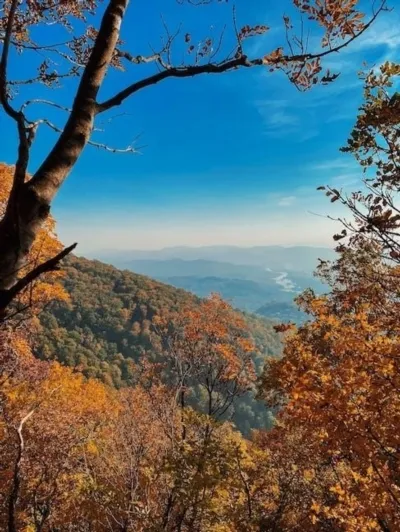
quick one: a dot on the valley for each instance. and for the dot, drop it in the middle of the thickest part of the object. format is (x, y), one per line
(263, 280)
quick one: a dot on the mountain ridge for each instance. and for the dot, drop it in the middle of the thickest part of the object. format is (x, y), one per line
(296, 258)
(272, 277)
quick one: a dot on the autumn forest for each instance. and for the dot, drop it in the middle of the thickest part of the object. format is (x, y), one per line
(130, 405)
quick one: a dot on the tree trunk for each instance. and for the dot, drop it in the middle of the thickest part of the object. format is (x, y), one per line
(27, 209)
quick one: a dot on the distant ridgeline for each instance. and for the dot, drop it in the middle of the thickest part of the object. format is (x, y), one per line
(262, 280)
(107, 327)
(282, 311)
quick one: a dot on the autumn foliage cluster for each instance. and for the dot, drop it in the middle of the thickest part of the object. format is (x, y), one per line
(77, 454)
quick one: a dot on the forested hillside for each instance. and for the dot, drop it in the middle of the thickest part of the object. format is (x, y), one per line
(107, 326)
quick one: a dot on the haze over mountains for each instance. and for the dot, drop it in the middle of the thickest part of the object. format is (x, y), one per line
(295, 258)
(256, 279)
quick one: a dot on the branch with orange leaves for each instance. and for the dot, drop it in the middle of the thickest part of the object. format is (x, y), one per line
(51, 265)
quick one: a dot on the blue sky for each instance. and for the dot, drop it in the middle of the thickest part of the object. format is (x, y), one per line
(231, 159)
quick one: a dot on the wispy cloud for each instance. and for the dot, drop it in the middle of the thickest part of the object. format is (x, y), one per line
(334, 164)
(265, 43)
(340, 173)
(278, 118)
(378, 44)
(339, 100)
(281, 120)
(286, 283)
(346, 180)
(301, 199)
(385, 32)
(287, 201)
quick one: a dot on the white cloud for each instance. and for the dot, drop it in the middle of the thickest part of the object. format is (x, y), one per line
(384, 33)
(264, 43)
(382, 40)
(286, 283)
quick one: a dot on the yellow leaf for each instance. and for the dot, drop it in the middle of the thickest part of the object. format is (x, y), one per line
(308, 475)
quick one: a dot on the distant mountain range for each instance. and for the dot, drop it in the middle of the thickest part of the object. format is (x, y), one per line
(264, 280)
(296, 258)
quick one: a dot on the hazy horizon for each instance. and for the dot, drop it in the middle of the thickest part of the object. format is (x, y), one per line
(129, 235)
(213, 246)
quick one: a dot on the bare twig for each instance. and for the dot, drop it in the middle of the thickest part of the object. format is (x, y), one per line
(45, 102)
(128, 149)
(139, 59)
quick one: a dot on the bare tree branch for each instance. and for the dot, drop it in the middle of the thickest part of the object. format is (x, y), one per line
(100, 145)
(4, 63)
(16, 479)
(176, 72)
